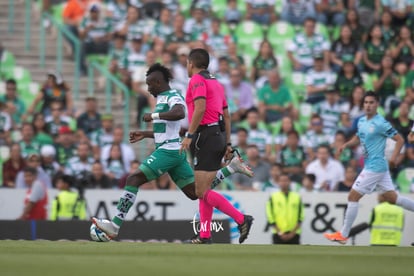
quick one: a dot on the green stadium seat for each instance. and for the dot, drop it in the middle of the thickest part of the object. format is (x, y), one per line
(368, 81)
(57, 12)
(98, 58)
(296, 84)
(7, 63)
(278, 6)
(405, 180)
(280, 34)
(248, 36)
(323, 30)
(218, 8)
(285, 66)
(185, 6)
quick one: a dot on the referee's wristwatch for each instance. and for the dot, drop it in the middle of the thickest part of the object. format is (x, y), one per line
(189, 135)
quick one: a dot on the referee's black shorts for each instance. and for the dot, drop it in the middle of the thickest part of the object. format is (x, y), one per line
(208, 148)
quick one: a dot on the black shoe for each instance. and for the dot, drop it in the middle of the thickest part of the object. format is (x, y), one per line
(198, 240)
(244, 228)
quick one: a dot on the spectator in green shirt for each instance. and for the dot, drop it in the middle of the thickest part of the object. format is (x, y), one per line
(275, 100)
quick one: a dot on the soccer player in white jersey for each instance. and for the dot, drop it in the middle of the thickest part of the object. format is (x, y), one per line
(373, 131)
(167, 156)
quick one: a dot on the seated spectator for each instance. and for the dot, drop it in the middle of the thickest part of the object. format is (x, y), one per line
(239, 94)
(54, 89)
(118, 55)
(12, 166)
(72, 17)
(317, 81)
(126, 151)
(15, 105)
(345, 46)
(35, 202)
(27, 143)
(260, 168)
(346, 157)
(56, 120)
(236, 61)
(103, 136)
(369, 11)
(232, 14)
(281, 134)
(197, 23)
(274, 99)
(261, 12)
(349, 180)
(262, 63)
(353, 21)
(134, 26)
(41, 135)
(328, 171)
(217, 43)
(48, 161)
(272, 185)
(133, 167)
(90, 120)
(241, 142)
(179, 38)
(400, 11)
(374, 50)
(33, 161)
(348, 78)
(162, 29)
(296, 12)
(386, 82)
(403, 47)
(315, 136)
(402, 123)
(95, 32)
(308, 183)
(6, 124)
(223, 72)
(292, 157)
(331, 12)
(139, 86)
(97, 179)
(257, 133)
(331, 111)
(65, 145)
(116, 10)
(388, 30)
(305, 45)
(353, 109)
(113, 165)
(80, 165)
(179, 69)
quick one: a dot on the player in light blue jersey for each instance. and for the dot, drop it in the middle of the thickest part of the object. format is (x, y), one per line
(373, 131)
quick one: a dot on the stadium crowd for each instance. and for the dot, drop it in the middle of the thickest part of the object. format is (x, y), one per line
(294, 73)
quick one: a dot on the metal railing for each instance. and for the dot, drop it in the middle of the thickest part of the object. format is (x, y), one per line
(111, 84)
(62, 30)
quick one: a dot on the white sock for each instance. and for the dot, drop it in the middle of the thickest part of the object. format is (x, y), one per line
(406, 203)
(350, 216)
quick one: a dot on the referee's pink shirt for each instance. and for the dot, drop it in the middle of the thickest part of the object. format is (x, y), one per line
(203, 85)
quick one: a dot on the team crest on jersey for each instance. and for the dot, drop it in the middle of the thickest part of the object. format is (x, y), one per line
(163, 99)
(371, 129)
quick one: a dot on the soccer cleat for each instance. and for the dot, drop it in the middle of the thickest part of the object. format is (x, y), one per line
(197, 240)
(106, 226)
(336, 237)
(238, 165)
(244, 228)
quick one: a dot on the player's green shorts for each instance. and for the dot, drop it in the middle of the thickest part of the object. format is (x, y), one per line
(168, 161)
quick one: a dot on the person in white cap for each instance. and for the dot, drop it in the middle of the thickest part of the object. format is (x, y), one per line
(48, 160)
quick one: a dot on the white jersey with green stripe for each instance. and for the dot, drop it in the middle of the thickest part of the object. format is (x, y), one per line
(167, 133)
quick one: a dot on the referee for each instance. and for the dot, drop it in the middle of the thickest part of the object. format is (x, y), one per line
(208, 139)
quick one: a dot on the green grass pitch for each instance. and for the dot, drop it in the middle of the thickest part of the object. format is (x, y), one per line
(129, 258)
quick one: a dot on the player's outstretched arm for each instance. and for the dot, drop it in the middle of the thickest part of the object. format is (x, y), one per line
(176, 113)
